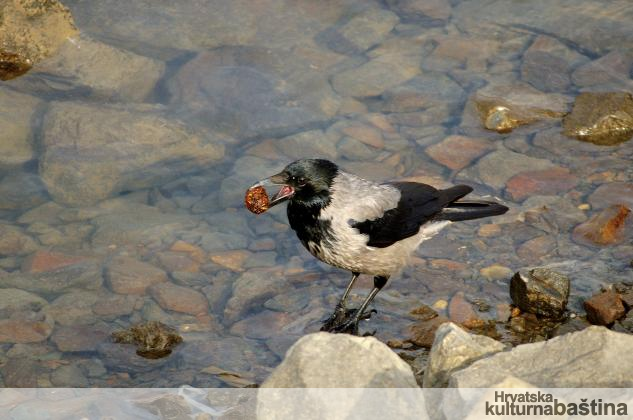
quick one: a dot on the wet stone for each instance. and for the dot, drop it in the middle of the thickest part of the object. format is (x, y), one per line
(69, 376)
(422, 333)
(533, 250)
(13, 65)
(250, 289)
(20, 373)
(552, 181)
(504, 108)
(460, 311)
(154, 340)
(540, 291)
(42, 261)
(610, 226)
(604, 309)
(127, 275)
(21, 190)
(604, 118)
(13, 241)
(612, 193)
(414, 10)
(456, 152)
(612, 68)
(180, 299)
(15, 300)
(78, 338)
(74, 308)
(545, 71)
(364, 30)
(26, 327)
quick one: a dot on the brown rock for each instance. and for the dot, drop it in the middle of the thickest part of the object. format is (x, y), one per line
(233, 260)
(489, 230)
(461, 311)
(13, 65)
(504, 108)
(533, 250)
(14, 242)
(20, 372)
(42, 261)
(612, 193)
(115, 305)
(444, 264)
(263, 325)
(423, 333)
(177, 261)
(604, 309)
(604, 228)
(540, 291)
(78, 337)
(544, 182)
(365, 134)
(504, 312)
(195, 252)
(179, 299)
(613, 67)
(34, 328)
(457, 152)
(604, 118)
(127, 275)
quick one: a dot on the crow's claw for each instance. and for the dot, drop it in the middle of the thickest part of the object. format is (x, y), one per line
(345, 321)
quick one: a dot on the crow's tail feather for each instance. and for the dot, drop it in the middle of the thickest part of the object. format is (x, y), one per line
(468, 210)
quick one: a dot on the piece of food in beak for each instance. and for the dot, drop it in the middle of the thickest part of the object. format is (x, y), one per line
(256, 199)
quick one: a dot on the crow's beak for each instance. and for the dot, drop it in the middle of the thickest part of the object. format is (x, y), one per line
(283, 194)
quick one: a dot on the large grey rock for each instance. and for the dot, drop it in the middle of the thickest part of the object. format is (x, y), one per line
(496, 168)
(540, 291)
(166, 30)
(252, 92)
(324, 360)
(92, 152)
(16, 118)
(595, 357)
(594, 25)
(454, 349)
(21, 190)
(87, 66)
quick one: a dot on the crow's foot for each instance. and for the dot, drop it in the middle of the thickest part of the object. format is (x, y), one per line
(345, 321)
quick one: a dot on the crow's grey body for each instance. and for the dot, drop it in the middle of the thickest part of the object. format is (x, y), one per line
(355, 199)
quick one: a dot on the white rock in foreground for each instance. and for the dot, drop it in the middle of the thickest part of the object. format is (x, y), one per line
(325, 360)
(453, 349)
(594, 357)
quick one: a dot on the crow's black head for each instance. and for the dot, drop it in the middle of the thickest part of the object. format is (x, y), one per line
(305, 181)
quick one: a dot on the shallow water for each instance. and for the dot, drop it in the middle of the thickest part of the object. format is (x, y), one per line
(144, 154)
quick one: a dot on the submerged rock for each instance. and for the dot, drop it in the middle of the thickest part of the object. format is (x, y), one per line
(593, 357)
(540, 291)
(454, 349)
(604, 308)
(604, 118)
(605, 228)
(504, 108)
(93, 152)
(325, 360)
(18, 111)
(551, 181)
(153, 339)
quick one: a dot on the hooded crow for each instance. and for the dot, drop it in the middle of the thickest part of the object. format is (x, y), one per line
(365, 227)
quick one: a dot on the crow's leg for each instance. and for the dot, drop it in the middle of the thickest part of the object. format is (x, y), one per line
(341, 313)
(350, 326)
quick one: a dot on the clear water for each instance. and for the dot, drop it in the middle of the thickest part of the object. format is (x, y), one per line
(371, 85)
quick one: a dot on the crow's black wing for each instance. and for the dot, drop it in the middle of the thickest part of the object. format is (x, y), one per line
(419, 203)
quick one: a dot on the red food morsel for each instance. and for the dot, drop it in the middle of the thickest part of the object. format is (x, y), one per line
(256, 199)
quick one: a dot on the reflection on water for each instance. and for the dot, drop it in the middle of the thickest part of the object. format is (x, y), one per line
(125, 157)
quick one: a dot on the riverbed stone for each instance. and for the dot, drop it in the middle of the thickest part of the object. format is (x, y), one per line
(454, 349)
(18, 112)
(87, 66)
(610, 69)
(593, 357)
(16, 300)
(612, 193)
(252, 288)
(250, 92)
(92, 152)
(79, 338)
(26, 327)
(611, 226)
(503, 108)
(496, 168)
(540, 291)
(604, 308)
(126, 275)
(180, 299)
(85, 274)
(324, 360)
(377, 75)
(553, 181)
(603, 118)
(74, 308)
(363, 30)
(457, 152)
